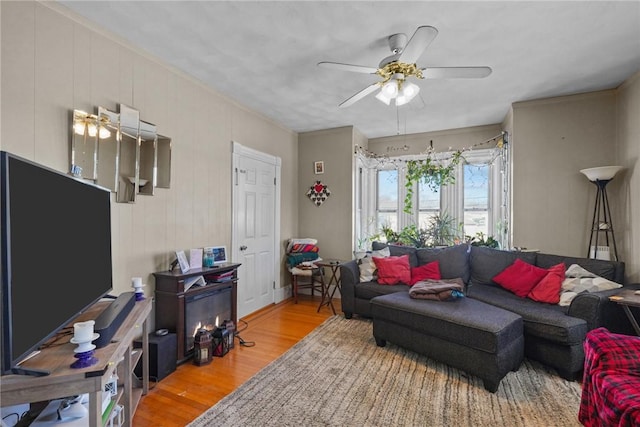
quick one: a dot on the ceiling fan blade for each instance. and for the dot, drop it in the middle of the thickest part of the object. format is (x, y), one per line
(358, 96)
(455, 72)
(348, 67)
(416, 46)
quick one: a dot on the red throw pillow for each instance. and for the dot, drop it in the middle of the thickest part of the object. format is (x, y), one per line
(520, 277)
(393, 269)
(548, 289)
(430, 271)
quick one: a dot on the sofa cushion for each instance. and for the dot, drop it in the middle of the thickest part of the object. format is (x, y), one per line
(572, 286)
(453, 260)
(520, 277)
(548, 289)
(485, 263)
(398, 250)
(368, 267)
(464, 321)
(546, 321)
(606, 269)
(429, 271)
(393, 269)
(368, 290)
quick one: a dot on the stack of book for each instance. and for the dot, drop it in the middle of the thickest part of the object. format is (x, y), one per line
(220, 277)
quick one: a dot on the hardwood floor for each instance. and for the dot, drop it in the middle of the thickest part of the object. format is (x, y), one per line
(180, 397)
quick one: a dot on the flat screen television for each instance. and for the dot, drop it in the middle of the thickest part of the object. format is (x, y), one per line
(55, 253)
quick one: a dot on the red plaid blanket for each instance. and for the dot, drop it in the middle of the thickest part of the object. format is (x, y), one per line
(611, 383)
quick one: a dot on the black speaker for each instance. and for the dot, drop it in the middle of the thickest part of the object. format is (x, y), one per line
(163, 353)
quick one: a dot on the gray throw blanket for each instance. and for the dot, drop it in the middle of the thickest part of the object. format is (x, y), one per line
(438, 290)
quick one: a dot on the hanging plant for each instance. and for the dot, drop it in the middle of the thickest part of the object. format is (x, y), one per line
(431, 172)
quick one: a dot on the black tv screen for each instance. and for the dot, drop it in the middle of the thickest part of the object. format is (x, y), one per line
(56, 253)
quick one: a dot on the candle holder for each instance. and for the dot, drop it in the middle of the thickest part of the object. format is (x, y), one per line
(220, 342)
(202, 348)
(136, 284)
(83, 336)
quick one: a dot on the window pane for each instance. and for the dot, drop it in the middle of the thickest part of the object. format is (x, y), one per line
(428, 204)
(427, 198)
(388, 199)
(388, 219)
(387, 190)
(476, 199)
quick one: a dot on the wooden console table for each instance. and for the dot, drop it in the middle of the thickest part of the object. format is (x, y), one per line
(64, 381)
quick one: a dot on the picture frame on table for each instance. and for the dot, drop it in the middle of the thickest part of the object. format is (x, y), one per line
(318, 167)
(220, 255)
(182, 261)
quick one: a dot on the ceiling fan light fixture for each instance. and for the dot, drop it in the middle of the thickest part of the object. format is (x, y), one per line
(381, 96)
(407, 93)
(390, 89)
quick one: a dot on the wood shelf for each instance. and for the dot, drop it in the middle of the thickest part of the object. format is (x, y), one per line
(65, 381)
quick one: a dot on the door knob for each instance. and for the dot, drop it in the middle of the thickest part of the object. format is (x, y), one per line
(243, 248)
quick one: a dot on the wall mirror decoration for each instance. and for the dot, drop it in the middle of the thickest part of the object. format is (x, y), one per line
(84, 145)
(108, 150)
(128, 162)
(120, 152)
(164, 162)
(148, 158)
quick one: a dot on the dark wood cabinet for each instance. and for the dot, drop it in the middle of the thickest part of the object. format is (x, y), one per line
(173, 302)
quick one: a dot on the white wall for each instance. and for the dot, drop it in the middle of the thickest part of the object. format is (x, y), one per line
(52, 63)
(553, 139)
(332, 222)
(628, 156)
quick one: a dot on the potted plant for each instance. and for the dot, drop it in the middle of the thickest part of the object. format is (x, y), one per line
(443, 230)
(479, 240)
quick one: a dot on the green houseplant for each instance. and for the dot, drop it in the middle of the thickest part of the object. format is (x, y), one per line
(443, 230)
(479, 240)
(430, 171)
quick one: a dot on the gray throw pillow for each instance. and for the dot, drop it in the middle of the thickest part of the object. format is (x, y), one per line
(454, 260)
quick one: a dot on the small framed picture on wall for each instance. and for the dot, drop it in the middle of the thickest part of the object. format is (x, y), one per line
(318, 167)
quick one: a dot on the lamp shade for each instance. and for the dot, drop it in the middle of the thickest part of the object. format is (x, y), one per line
(408, 92)
(602, 173)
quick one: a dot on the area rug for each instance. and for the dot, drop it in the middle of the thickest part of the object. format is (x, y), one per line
(337, 376)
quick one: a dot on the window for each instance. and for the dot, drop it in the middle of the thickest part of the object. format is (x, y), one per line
(428, 204)
(476, 199)
(387, 203)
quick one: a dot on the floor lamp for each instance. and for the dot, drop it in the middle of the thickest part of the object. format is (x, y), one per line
(601, 223)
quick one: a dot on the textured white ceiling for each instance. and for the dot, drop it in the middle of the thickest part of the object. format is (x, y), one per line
(264, 54)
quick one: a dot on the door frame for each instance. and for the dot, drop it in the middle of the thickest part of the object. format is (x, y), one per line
(239, 151)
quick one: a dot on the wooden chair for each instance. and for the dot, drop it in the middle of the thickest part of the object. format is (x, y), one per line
(307, 278)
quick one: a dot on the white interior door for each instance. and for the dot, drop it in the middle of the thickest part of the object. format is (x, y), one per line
(255, 216)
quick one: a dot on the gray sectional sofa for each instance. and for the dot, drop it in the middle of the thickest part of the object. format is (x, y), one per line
(553, 334)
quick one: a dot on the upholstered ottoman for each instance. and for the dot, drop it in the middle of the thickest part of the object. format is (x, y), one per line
(467, 334)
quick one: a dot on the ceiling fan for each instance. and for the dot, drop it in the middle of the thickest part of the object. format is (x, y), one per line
(396, 68)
